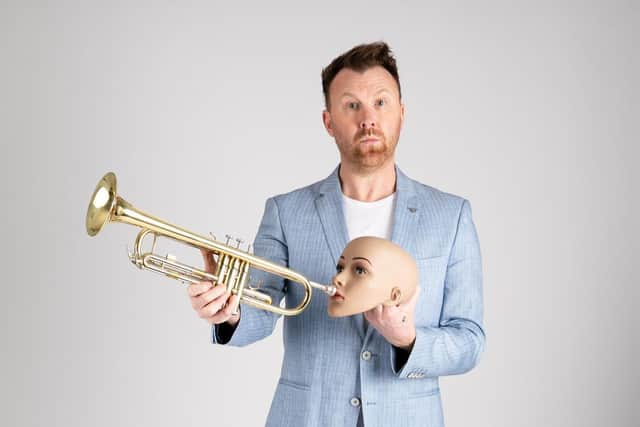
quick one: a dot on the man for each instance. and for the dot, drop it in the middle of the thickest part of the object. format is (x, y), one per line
(380, 369)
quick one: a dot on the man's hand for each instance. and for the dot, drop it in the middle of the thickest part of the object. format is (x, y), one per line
(213, 303)
(396, 323)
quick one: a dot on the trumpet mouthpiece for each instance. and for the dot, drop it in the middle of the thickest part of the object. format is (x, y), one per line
(327, 289)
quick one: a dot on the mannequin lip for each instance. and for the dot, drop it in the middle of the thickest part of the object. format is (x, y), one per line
(337, 297)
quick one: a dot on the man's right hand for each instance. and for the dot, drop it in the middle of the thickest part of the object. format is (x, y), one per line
(213, 303)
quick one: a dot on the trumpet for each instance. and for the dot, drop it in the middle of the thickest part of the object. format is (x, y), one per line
(232, 264)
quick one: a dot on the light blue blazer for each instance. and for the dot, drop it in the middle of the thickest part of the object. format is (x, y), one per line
(335, 367)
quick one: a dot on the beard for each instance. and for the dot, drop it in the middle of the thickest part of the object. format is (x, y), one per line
(369, 155)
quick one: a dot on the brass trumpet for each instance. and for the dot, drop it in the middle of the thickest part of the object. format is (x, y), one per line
(232, 263)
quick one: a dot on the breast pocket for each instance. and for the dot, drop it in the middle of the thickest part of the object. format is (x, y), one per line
(431, 275)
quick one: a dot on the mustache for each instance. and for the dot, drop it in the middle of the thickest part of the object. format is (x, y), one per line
(369, 132)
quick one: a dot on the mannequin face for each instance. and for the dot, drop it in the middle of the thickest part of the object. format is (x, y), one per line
(371, 271)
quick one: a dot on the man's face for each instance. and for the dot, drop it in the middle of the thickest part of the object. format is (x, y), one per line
(365, 116)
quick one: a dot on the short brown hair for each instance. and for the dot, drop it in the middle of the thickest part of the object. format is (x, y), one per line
(360, 58)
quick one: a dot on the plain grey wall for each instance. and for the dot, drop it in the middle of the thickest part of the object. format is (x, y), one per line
(528, 109)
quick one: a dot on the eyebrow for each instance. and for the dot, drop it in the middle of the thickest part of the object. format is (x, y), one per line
(375, 93)
(361, 257)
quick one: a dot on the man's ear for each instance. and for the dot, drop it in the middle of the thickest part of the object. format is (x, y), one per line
(395, 297)
(326, 120)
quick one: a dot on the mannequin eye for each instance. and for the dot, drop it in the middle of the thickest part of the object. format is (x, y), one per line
(339, 268)
(360, 271)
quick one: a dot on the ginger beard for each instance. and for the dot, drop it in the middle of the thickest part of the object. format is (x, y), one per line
(371, 149)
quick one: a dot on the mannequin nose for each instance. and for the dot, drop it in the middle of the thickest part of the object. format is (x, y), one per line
(338, 282)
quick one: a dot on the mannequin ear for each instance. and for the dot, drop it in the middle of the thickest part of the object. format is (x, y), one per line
(396, 296)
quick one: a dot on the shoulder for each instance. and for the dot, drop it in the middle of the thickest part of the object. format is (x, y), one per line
(299, 196)
(437, 200)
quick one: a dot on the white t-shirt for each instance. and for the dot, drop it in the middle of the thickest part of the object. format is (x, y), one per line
(369, 218)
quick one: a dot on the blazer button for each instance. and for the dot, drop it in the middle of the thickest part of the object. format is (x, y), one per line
(366, 355)
(355, 402)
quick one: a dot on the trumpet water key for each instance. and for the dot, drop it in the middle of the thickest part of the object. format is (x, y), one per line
(232, 264)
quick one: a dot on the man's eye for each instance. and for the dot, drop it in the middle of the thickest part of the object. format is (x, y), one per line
(339, 268)
(381, 102)
(360, 271)
(353, 105)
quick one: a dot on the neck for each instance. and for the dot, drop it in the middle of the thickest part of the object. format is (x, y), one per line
(368, 185)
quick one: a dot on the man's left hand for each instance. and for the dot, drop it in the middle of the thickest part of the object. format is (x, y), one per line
(396, 322)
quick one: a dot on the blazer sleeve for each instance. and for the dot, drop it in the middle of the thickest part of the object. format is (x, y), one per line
(256, 324)
(455, 346)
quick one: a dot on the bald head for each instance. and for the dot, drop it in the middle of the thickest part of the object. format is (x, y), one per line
(372, 271)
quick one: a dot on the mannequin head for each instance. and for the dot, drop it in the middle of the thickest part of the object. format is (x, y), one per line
(370, 272)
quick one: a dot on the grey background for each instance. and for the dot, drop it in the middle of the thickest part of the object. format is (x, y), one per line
(204, 109)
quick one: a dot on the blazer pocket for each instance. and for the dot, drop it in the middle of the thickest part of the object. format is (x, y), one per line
(430, 257)
(291, 405)
(426, 393)
(293, 384)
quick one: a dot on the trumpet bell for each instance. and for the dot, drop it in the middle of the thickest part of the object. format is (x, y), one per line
(101, 204)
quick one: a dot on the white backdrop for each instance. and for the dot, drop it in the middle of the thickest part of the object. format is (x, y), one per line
(528, 109)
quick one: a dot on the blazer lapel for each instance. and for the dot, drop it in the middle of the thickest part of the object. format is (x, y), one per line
(405, 214)
(329, 207)
(405, 219)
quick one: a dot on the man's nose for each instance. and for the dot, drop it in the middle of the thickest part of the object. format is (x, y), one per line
(367, 118)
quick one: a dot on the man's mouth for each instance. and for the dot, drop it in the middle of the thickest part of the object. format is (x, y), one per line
(369, 136)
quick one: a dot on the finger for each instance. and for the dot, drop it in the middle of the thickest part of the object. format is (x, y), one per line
(227, 312)
(416, 295)
(391, 315)
(209, 263)
(214, 306)
(234, 302)
(389, 312)
(208, 297)
(395, 316)
(375, 314)
(410, 304)
(378, 310)
(195, 289)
